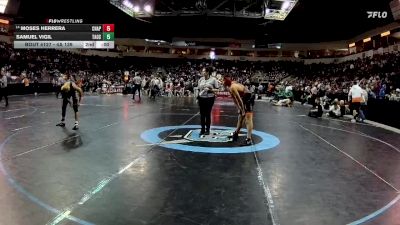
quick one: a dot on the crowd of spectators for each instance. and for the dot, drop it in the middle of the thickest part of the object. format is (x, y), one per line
(379, 74)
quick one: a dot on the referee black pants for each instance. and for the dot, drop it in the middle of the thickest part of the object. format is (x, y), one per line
(206, 105)
(135, 88)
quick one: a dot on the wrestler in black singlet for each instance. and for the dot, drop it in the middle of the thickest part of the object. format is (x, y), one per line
(68, 91)
(66, 99)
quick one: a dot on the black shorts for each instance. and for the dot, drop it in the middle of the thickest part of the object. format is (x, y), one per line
(248, 102)
(66, 99)
(355, 106)
(3, 92)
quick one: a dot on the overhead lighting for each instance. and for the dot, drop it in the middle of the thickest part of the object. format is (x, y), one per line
(285, 5)
(127, 4)
(136, 9)
(147, 8)
(279, 9)
(367, 39)
(352, 45)
(212, 55)
(278, 47)
(387, 33)
(3, 5)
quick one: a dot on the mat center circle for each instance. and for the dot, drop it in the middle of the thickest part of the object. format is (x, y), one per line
(188, 138)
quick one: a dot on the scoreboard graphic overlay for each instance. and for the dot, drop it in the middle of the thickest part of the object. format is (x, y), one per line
(52, 36)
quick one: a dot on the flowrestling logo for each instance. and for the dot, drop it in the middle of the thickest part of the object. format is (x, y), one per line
(377, 14)
(72, 21)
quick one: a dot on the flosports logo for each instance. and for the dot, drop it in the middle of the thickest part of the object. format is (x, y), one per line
(377, 14)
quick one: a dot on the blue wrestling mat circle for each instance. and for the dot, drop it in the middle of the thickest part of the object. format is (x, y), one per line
(187, 138)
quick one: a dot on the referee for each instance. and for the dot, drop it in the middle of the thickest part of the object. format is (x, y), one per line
(137, 82)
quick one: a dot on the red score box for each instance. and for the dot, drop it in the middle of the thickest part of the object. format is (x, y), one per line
(108, 27)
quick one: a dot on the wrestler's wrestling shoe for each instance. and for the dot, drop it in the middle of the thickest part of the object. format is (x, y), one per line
(234, 136)
(76, 127)
(248, 142)
(62, 124)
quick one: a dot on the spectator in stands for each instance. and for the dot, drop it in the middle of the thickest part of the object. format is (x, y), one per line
(395, 95)
(379, 73)
(36, 86)
(168, 88)
(363, 104)
(304, 98)
(286, 99)
(271, 89)
(355, 97)
(334, 109)
(3, 87)
(314, 93)
(155, 87)
(147, 82)
(188, 88)
(260, 90)
(25, 81)
(342, 108)
(316, 110)
(382, 92)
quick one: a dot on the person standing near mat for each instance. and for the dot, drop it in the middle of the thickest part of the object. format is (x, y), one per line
(244, 100)
(207, 86)
(60, 81)
(68, 90)
(3, 87)
(137, 83)
(355, 97)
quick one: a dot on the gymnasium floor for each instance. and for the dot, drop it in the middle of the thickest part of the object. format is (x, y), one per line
(140, 163)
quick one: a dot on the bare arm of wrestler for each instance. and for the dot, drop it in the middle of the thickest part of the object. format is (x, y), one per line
(236, 97)
(80, 92)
